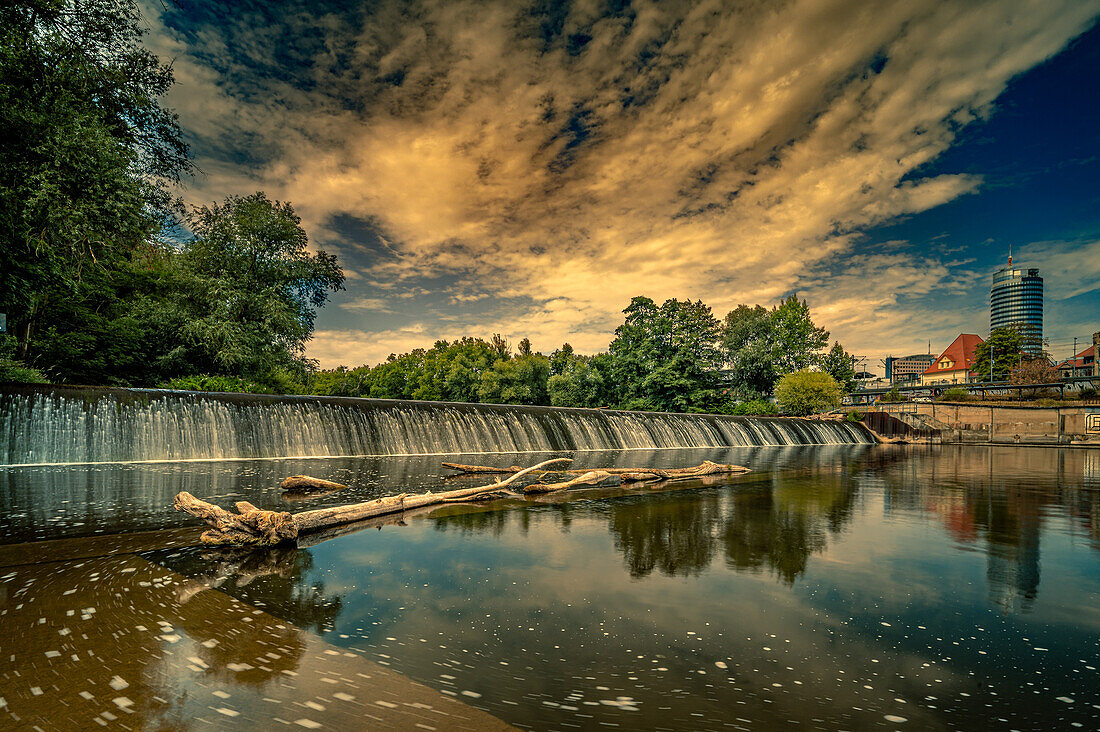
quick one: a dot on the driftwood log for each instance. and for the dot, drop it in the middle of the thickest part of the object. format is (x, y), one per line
(627, 475)
(481, 469)
(592, 477)
(252, 526)
(303, 483)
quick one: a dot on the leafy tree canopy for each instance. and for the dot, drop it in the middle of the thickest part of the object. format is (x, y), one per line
(88, 155)
(1004, 348)
(840, 364)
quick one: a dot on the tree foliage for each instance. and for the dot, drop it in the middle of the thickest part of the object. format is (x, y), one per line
(1004, 348)
(88, 157)
(760, 345)
(807, 392)
(840, 364)
(668, 357)
(256, 285)
(1033, 371)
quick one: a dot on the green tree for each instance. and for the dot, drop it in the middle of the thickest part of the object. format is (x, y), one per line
(807, 392)
(747, 343)
(839, 364)
(760, 345)
(88, 157)
(668, 357)
(520, 380)
(259, 286)
(1005, 348)
(795, 339)
(580, 382)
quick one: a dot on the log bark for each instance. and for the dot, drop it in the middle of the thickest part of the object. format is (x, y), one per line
(629, 474)
(481, 469)
(593, 477)
(251, 526)
(302, 483)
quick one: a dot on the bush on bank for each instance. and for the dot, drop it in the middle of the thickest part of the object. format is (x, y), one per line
(807, 392)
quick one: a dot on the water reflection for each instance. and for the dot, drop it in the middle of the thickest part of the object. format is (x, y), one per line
(674, 536)
(952, 587)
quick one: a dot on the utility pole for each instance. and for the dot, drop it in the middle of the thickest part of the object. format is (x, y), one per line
(1073, 359)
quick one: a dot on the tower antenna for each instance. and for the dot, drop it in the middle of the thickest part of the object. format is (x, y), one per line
(1010, 254)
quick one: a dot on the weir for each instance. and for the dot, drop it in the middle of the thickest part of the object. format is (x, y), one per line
(67, 425)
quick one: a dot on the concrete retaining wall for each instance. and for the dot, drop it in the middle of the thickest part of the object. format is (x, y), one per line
(961, 422)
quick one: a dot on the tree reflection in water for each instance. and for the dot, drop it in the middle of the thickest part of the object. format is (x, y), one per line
(776, 526)
(672, 533)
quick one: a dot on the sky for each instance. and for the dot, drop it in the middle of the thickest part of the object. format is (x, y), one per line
(527, 168)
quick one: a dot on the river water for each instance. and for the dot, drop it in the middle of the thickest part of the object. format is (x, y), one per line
(834, 587)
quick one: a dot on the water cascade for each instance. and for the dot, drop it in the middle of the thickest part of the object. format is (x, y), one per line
(65, 425)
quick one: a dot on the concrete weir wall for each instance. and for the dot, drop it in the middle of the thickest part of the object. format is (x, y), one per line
(962, 422)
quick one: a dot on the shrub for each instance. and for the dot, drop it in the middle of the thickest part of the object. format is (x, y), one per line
(854, 416)
(12, 370)
(892, 397)
(216, 383)
(755, 407)
(955, 395)
(807, 392)
(1087, 393)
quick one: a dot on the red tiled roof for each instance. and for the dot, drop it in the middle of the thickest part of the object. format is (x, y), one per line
(961, 352)
(1078, 361)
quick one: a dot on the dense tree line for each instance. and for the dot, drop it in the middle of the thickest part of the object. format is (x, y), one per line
(676, 356)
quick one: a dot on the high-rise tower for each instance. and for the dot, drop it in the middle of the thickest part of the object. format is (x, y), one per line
(1016, 299)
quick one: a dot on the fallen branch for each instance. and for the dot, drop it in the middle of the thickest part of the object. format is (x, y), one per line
(593, 477)
(481, 469)
(251, 526)
(628, 474)
(302, 483)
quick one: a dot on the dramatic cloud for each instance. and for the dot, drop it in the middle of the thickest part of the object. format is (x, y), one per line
(486, 167)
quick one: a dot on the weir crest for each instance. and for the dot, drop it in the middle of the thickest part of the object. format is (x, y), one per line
(66, 425)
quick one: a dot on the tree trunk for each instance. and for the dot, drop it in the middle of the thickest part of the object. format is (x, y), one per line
(302, 483)
(628, 474)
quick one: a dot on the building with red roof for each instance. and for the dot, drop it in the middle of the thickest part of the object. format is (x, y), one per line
(1083, 364)
(954, 365)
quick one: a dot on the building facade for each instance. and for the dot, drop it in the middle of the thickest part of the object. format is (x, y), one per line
(955, 364)
(1082, 364)
(908, 368)
(1016, 299)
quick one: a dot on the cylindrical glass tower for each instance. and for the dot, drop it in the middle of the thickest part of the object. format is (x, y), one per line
(1016, 299)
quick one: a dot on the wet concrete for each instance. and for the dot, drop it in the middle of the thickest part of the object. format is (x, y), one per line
(116, 641)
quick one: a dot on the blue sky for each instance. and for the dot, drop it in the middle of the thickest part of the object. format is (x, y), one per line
(526, 168)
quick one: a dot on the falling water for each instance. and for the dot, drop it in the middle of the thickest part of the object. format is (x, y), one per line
(64, 425)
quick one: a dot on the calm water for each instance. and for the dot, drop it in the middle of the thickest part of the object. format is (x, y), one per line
(834, 587)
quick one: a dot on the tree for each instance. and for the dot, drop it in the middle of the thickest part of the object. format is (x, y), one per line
(807, 392)
(87, 161)
(839, 364)
(520, 380)
(260, 286)
(1033, 371)
(668, 357)
(1006, 346)
(747, 342)
(761, 345)
(795, 338)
